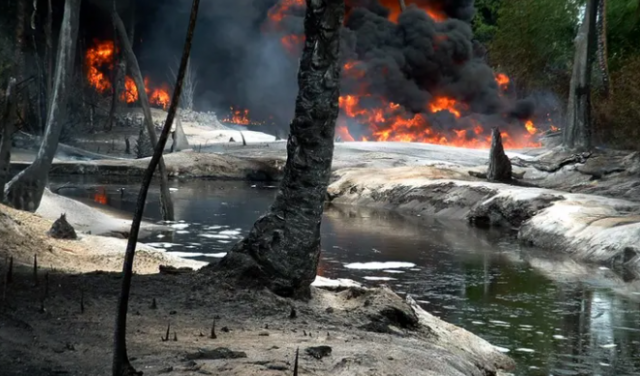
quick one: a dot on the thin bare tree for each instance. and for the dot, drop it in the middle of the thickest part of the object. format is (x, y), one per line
(25, 190)
(121, 365)
(143, 99)
(190, 85)
(603, 60)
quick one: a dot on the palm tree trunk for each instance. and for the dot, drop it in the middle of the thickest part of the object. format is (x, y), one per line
(283, 248)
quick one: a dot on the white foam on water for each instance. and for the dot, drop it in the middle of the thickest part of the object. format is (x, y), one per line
(216, 255)
(376, 265)
(477, 322)
(368, 278)
(526, 350)
(393, 271)
(162, 245)
(197, 244)
(224, 241)
(180, 226)
(160, 236)
(498, 322)
(501, 349)
(182, 232)
(215, 227)
(214, 236)
(187, 254)
(558, 336)
(608, 346)
(229, 232)
(173, 189)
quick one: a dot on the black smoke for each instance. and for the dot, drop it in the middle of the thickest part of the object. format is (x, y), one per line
(241, 61)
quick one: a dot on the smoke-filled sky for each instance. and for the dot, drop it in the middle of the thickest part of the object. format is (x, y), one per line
(400, 66)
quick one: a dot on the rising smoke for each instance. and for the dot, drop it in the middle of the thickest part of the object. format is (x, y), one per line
(401, 66)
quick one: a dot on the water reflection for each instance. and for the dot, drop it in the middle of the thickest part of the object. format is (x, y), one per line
(555, 316)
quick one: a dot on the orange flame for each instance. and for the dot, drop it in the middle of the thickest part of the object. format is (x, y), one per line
(101, 57)
(389, 121)
(238, 117)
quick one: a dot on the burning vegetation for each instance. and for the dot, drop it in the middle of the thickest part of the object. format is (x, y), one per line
(415, 75)
(99, 62)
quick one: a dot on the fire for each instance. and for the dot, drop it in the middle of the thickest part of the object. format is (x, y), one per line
(238, 117)
(382, 120)
(292, 43)
(101, 196)
(502, 80)
(445, 104)
(394, 11)
(100, 58)
(530, 127)
(280, 10)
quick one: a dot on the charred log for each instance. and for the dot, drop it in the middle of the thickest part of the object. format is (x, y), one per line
(283, 247)
(499, 164)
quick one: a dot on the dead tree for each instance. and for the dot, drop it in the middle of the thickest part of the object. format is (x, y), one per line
(283, 247)
(25, 190)
(143, 99)
(7, 130)
(499, 164)
(403, 6)
(577, 133)
(603, 61)
(121, 365)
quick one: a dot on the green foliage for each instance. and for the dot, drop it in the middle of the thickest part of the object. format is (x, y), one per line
(534, 42)
(623, 31)
(485, 23)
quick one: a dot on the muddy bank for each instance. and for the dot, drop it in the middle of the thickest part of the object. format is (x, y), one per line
(344, 331)
(187, 164)
(589, 227)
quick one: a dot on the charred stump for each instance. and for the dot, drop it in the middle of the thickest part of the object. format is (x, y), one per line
(283, 247)
(499, 164)
(62, 229)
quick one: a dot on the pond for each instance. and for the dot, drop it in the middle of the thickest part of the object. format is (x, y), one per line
(552, 315)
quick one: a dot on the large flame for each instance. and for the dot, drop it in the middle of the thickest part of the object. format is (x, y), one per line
(99, 61)
(387, 121)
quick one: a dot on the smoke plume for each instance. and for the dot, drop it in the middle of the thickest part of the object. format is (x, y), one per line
(416, 75)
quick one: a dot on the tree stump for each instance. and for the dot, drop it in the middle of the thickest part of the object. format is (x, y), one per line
(499, 163)
(61, 229)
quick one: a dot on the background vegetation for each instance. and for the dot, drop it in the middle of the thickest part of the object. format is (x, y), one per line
(532, 41)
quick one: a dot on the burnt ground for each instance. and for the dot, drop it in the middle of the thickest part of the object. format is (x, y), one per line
(63, 326)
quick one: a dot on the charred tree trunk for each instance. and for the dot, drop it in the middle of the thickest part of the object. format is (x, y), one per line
(48, 34)
(403, 6)
(283, 247)
(5, 137)
(25, 190)
(121, 365)
(577, 133)
(603, 61)
(143, 99)
(499, 163)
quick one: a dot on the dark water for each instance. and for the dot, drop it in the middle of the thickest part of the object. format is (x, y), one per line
(553, 316)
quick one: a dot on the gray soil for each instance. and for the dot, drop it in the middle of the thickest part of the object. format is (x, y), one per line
(347, 331)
